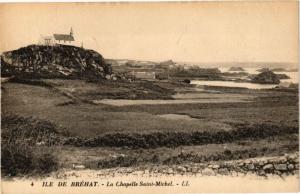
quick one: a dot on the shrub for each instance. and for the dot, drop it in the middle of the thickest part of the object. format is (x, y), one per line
(18, 159)
(20, 153)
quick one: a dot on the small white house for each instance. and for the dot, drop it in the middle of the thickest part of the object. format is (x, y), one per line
(143, 75)
(46, 40)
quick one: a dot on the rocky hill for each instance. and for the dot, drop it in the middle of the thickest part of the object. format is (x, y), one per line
(39, 61)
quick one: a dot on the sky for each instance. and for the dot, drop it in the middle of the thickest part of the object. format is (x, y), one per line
(195, 32)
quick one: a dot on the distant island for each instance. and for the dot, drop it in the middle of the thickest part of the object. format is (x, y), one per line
(277, 69)
(266, 77)
(283, 70)
(236, 69)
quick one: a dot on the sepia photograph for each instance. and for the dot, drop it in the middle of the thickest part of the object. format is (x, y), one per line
(149, 97)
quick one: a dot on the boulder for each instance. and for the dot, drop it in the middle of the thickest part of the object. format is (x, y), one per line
(251, 166)
(262, 173)
(170, 171)
(216, 166)
(291, 166)
(280, 167)
(208, 172)
(181, 169)
(268, 167)
(194, 170)
(223, 171)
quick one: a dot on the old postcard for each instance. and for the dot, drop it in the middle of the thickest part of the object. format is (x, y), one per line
(149, 97)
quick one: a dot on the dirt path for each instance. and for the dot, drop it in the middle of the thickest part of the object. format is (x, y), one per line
(156, 102)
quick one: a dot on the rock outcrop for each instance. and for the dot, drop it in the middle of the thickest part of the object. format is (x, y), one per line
(196, 72)
(263, 69)
(39, 61)
(266, 77)
(282, 76)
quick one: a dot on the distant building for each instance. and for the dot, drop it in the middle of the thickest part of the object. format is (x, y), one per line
(143, 75)
(57, 38)
(162, 75)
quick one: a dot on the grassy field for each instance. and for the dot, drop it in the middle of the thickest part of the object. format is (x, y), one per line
(85, 119)
(209, 123)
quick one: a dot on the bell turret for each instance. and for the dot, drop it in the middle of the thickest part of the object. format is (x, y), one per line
(71, 32)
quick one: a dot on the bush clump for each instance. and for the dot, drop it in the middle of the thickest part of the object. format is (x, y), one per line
(175, 139)
(25, 146)
(21, 159)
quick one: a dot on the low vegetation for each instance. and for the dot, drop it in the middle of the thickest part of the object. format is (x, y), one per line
(22, 159)
(175, 139)
(24, 146)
